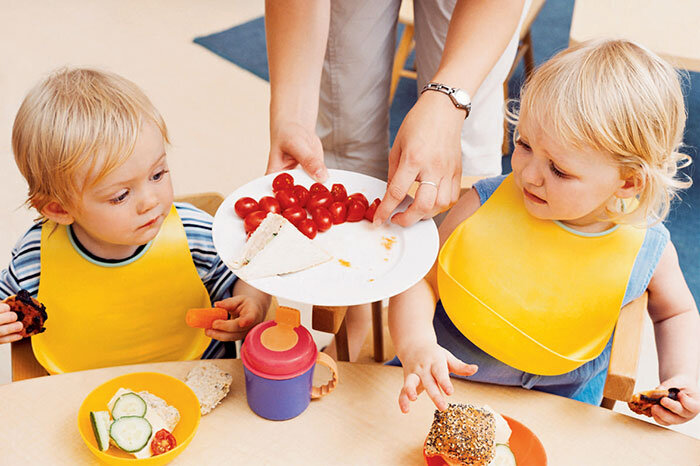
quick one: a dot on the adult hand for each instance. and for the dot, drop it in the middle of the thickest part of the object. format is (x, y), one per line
(427, 149)
(677, 412)
(292, 144)
(428, 367)
(245, 313)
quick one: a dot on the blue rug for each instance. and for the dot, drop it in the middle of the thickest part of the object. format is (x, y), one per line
(244, 45)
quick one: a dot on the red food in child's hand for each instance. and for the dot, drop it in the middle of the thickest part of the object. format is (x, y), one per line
(317, 188)
(356, 210)
(338, 212)
(270, 204)
(294, 215)
(245, 206)
(30, 312)
(339, 193)
(308, 228)
(302, 194)
(287, 199)
(358, 197)
(322, 219)
(204, 318)
(253, 221)
(369, 213)
(163, 441)
(282, 181)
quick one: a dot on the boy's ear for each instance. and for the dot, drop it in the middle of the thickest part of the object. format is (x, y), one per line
(631, 186)
(56, 213)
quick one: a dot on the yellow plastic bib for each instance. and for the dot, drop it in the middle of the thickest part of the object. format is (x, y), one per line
(530, 293)
(131, 313)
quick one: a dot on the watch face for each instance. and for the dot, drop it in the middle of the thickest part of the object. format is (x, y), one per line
(462, 97)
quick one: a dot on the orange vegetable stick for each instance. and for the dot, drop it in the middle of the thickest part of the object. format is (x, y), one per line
(204, 318)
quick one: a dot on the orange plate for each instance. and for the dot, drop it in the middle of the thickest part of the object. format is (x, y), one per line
(526, 447)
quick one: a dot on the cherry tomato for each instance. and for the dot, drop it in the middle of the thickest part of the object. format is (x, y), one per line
(245, 206)
(163, 441)
(308, 227)
(369, 214)
(358, 196)
(294, 214)
(356, 210)
(282, 181)
(302, 194)
(322, 219)
(287, 199)
(338, 212)
(253, 220)
(270, 204)
(339, 193)
(319, 200)
(317, 188)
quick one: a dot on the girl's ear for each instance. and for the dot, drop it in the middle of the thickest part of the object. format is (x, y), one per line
(56, 213)
(632, 185)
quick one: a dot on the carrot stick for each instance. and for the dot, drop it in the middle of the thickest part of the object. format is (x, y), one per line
(204, 318)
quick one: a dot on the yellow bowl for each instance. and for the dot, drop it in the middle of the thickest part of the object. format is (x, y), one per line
(172, 390)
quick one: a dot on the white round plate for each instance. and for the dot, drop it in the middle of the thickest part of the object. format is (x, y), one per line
(369, 263)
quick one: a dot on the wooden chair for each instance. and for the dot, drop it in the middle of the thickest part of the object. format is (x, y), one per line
(407, 44)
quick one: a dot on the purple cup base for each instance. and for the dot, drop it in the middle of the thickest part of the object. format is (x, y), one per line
(278, 400)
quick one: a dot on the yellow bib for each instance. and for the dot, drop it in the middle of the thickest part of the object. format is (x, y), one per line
(530, 293)
(126, 314)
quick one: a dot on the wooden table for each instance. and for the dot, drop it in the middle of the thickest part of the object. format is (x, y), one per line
(668, 27)
(358, 424)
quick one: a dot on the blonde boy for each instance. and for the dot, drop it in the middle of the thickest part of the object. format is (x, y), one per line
(116, 263)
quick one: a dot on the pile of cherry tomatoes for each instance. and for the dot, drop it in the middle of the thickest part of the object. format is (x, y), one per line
(311, 210)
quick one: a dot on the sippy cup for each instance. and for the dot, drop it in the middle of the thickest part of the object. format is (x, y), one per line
(278, 359)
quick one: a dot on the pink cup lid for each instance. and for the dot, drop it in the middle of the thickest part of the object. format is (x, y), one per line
(279, 349)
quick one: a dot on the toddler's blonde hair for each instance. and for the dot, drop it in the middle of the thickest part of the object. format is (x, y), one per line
(615, 96)
(74, 128)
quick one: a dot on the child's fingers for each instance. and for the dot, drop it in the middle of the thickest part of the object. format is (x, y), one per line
(224, 336)
(230, 304)
(433, 391)
(442, 377)
(665, 417)
(459, 367)
(410, 386)
(10, 338)
(247, 315)
(7, 317)
(4, 307)
(686, 407)
(11, 329)
(690, 403)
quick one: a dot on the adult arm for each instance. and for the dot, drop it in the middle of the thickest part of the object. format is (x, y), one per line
(296, 32)
(427, 146)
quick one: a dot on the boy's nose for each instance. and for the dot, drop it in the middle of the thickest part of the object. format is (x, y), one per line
(147, 202)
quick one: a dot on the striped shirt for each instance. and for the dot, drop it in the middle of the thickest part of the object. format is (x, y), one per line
(25, 263)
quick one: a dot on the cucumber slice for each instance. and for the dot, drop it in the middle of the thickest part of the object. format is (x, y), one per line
(100, 426)
(131, 433)
(503, 456)
(129, 404)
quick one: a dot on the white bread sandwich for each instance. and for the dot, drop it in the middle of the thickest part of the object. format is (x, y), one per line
(464, 434)
(276, 247)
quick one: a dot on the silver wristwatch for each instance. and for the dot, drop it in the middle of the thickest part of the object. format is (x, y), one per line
(459, 97)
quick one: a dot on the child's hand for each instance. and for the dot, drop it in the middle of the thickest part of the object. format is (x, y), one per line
(677, 412)
(428, 368)
(9, 327)
(245, 312)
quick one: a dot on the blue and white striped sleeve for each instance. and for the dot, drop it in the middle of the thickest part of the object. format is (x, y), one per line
(25, 265)
(217, 278)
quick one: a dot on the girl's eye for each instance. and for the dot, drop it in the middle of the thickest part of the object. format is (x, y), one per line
(158, 176)
(556, 171)
(120, 198)
(522, 144)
